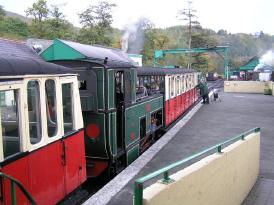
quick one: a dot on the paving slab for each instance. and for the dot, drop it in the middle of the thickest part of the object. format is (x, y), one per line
(212, 124)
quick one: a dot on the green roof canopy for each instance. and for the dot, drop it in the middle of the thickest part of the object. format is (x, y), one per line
(68, 50)
(250, 65)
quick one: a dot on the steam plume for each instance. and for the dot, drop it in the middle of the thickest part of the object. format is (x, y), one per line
(267, 60)
(133, 37)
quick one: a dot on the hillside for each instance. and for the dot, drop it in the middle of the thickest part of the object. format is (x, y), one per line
(15, 15)
(145, 40)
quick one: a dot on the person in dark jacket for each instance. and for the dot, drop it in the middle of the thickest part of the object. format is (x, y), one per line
(203, 91)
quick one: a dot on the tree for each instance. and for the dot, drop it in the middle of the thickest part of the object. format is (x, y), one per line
(39, 11)
(96, 21)
(48, 22)
(154, 39)
(57, 26)
(97, 15)
(13, 28)
(222, 32)
(188, 15)
(2, 12)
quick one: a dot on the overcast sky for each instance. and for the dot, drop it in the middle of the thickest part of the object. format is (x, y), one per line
(235, 16)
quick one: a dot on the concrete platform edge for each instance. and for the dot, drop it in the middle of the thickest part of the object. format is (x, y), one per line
(104, 195)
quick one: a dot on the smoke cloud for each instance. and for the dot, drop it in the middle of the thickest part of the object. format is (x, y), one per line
(267, 60)
(133, 37)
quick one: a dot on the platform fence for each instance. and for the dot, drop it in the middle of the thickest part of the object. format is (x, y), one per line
(139, 183)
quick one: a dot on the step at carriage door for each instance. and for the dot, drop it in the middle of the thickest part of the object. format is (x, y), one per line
(73, 151)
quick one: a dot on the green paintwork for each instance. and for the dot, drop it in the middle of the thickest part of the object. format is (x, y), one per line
(111, 91)
(100, 87)
(100, 109)
(112, 133)
(60, 51)
(220, 50)
(96, 147)
(88, 103)
(135, 55)
(13, 184)
(138, 186)
(133, 76)
(137, 111)
(13, 193)
(250, 65)
(132, 154)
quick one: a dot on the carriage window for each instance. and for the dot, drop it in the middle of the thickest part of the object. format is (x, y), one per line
(171, 86)
(34, 112)
(162, 84)
(51, 108)
(156, 119)
(186, 79)
(182, 84)
(190, 81)
(67, 107)
(10, 122)
(177, 85)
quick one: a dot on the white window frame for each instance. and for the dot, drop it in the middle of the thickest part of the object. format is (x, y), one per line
(191, 81)
(77, 119)
(15, 85)
(178, 85)
(21, 86)
(43, 140)
(166, 80)
(58, 108)
(171, 86)
(184, 82)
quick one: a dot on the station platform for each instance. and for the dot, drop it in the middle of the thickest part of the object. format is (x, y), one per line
(202, 127)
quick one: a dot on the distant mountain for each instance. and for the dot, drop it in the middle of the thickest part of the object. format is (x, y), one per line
(15, 15)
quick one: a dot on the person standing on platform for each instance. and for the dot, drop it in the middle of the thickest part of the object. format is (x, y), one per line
(204, 91)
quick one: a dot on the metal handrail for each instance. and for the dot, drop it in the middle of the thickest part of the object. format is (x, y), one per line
(138, 185)
(15, 182)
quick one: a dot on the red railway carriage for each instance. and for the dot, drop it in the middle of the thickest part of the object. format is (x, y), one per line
(41, 136)
(177, 85)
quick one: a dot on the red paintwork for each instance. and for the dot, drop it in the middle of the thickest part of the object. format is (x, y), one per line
(75, 173)
(178, 105)
(148, 107)
(97, 169)
(92, 131)
(17, 170)
(132, 136)
(45, 175)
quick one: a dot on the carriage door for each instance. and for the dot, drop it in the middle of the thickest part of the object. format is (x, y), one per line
(72, 142)
(11, 141)
(119, 99)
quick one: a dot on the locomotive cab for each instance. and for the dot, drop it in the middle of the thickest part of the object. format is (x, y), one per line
(117, 124)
